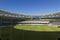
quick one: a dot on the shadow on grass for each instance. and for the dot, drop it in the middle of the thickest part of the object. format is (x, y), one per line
(18, 34)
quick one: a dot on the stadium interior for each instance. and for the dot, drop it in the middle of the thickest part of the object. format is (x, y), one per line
(20, 27)
(10, 19)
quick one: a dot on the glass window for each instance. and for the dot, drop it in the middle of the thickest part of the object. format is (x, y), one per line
(5, 15)
(12, 15)
(37, 18)
(16, 16)
(19, 16)
(57, 15)
(1, 14)
(22, 16)
(9, 15)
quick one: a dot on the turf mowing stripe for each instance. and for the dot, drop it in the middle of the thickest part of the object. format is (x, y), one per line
(49, 29)
(54, 28)
(36, 28)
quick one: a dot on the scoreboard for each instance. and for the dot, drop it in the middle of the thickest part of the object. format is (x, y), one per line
(36, 18)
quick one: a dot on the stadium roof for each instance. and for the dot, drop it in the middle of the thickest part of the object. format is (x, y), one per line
(4, 13)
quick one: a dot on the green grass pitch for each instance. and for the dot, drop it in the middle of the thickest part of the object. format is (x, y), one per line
(30, 32)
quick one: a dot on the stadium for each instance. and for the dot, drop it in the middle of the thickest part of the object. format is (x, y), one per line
(27, 25)
(11, 19)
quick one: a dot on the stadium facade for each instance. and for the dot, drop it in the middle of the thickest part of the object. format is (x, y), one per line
(7, 18)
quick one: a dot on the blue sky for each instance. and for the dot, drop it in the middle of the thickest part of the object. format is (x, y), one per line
(30, 7)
